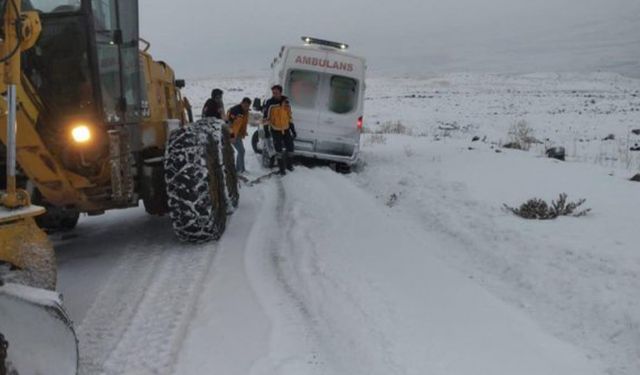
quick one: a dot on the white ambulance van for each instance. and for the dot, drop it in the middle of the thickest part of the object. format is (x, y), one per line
(325, 85)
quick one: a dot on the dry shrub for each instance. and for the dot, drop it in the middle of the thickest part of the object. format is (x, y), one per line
(521, 136)
(538, 209)
(393, 127)
(409, 152)
(375, 139)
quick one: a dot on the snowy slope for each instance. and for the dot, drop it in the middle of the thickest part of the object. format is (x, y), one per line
(578, 277)
(407, 267)
(570, 110)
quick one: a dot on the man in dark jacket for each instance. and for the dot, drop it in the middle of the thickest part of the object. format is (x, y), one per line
(279, 125)
(214, 107)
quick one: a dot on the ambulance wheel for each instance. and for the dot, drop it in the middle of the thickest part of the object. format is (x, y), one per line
(195, 185)
(268, 161)
(255, 142)
(343, 168)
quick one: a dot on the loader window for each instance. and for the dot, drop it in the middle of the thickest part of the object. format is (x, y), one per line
(303, 88)
(342, 98)
(118, 60)
(59, 66)
(108, 57)
(104, 15)
(131, 71)
(53, 6)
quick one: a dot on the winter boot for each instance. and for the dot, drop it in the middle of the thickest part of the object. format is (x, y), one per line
(287, 161)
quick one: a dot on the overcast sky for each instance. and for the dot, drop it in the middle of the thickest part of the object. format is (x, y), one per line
(204, 38)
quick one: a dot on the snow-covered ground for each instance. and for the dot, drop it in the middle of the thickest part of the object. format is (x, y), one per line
(410, 266)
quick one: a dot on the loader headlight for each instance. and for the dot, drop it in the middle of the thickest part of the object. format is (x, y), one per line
(81, 133)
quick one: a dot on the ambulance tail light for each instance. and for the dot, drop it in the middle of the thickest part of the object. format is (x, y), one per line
(360, 123)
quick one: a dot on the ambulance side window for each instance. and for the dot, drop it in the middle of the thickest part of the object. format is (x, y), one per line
(303, 88)
(343, 95)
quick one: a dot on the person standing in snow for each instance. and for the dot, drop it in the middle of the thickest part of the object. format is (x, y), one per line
(238, 118)
(279, 125)
(214, 107)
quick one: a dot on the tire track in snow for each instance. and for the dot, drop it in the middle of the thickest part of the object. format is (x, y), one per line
(139, 319)
(277, 257)
(110, 315)
(155, 336)
(294, 342)
(313, 292)
(339, 302)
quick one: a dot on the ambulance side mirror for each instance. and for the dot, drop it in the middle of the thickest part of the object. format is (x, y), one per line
(257, 104)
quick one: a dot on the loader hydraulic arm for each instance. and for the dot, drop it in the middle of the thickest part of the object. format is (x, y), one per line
(21, 107)
(33, 324)
(11, 48)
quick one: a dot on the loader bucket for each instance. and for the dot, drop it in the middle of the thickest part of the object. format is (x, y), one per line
(36, 332)
(36, 335)
(25, 247)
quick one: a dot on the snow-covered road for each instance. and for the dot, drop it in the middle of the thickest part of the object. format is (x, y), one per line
(132, 290)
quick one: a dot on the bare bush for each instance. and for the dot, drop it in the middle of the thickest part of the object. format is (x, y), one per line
(512, 145)
(393, 127)
(409, 152)
(375, 139)
(392, 200)
(538, 209)
(521, 134)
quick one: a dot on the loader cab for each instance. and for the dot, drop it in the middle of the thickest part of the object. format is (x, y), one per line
(86, 63)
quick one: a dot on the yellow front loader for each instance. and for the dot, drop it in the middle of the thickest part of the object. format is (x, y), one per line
(89, 122)
(36, 336)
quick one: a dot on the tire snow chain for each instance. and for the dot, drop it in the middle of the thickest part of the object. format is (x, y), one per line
(4, 345)
(213, 128)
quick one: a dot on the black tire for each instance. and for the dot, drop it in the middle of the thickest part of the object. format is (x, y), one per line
(154, 192)
(55, 219)
(343, 168)
(195, 183)
(70, 221)
(255, 142)
(230, 174)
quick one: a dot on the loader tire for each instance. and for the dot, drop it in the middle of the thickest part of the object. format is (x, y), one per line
(230, 173)
(55, 219)
(255, 143)
(195, 185)
(154, 192)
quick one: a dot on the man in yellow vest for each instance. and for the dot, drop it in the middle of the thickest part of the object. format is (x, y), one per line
(238, 118)
(279, 126)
